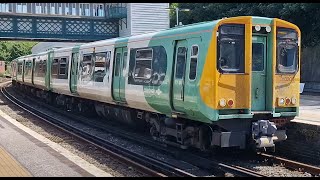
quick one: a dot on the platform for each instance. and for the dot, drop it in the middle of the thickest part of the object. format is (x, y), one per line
(9, 167)
(24, 152)
(309, 111)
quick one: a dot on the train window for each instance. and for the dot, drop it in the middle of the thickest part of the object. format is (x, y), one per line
(44, 66)
(257, 56)
(230, 50)
(157, 57)
(125, 57)
(108, 60)
(40, 66)
(143, 66)
(117, 62)
(287, 50)
(181, 59)
(54, 69)
(20, 68)
(87, 69)
(28, 67)
(63, 68)
(99, 67)
(193, 62)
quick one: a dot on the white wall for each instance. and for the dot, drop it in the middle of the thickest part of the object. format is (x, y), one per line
(149, 17)
(145, 18)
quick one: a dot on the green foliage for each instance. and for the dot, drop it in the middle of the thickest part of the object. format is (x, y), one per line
(305, 15)
(10, 50)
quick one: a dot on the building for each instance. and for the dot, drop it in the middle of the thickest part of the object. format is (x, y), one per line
(134, 18)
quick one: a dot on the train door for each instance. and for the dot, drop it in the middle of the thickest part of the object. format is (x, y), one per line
(48, 72)
(118, 80)
(74, 70)
(33, 69)
(23, 69)
(178, 83)
(258, 87)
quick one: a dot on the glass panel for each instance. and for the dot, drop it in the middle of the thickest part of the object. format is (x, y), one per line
(99, 67)
(257, 56)
(4, 7)
(287, 50)
(125, 57)
(181, 59)
(108, 60)
(21, 7)
(44, 69)
(118, 56)
(231, 48)
(87, 68)
(55, 67)
(143, 67)
(84, 9)
(63, 66)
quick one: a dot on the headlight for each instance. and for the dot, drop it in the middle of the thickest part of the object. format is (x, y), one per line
(281, 101)
(222, 102)
(293, 100)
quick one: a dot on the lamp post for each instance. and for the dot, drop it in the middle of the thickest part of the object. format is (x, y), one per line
(177, 13)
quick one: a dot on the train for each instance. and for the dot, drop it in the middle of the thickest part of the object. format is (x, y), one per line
(226, 83)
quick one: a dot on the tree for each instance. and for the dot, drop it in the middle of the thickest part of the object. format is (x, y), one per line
(10, 50)
(305, 15)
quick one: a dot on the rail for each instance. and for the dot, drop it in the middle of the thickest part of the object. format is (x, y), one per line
(145, 164)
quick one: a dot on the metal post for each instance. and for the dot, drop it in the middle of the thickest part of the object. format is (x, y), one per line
(177, 13)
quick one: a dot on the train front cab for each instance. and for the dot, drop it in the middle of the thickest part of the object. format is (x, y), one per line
(256, 79)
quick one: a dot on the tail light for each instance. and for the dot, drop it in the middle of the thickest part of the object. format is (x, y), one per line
(288, 101)
(230, 102)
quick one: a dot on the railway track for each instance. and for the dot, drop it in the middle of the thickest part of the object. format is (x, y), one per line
(143, 163)
(313, 170)
(163, 169)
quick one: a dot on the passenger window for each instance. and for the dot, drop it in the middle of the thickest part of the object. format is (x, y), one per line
(44, 66)
(55, 67)
(143, 66)
(181, 59)
(125, 57)
(193, 62)
(99, 67)
(86, 73)
(63, 69)
(28, 67)
(19, 68)
(38, 70)
(108, 60)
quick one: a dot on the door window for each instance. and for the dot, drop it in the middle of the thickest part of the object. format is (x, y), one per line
(257, 57)
(181, 59)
